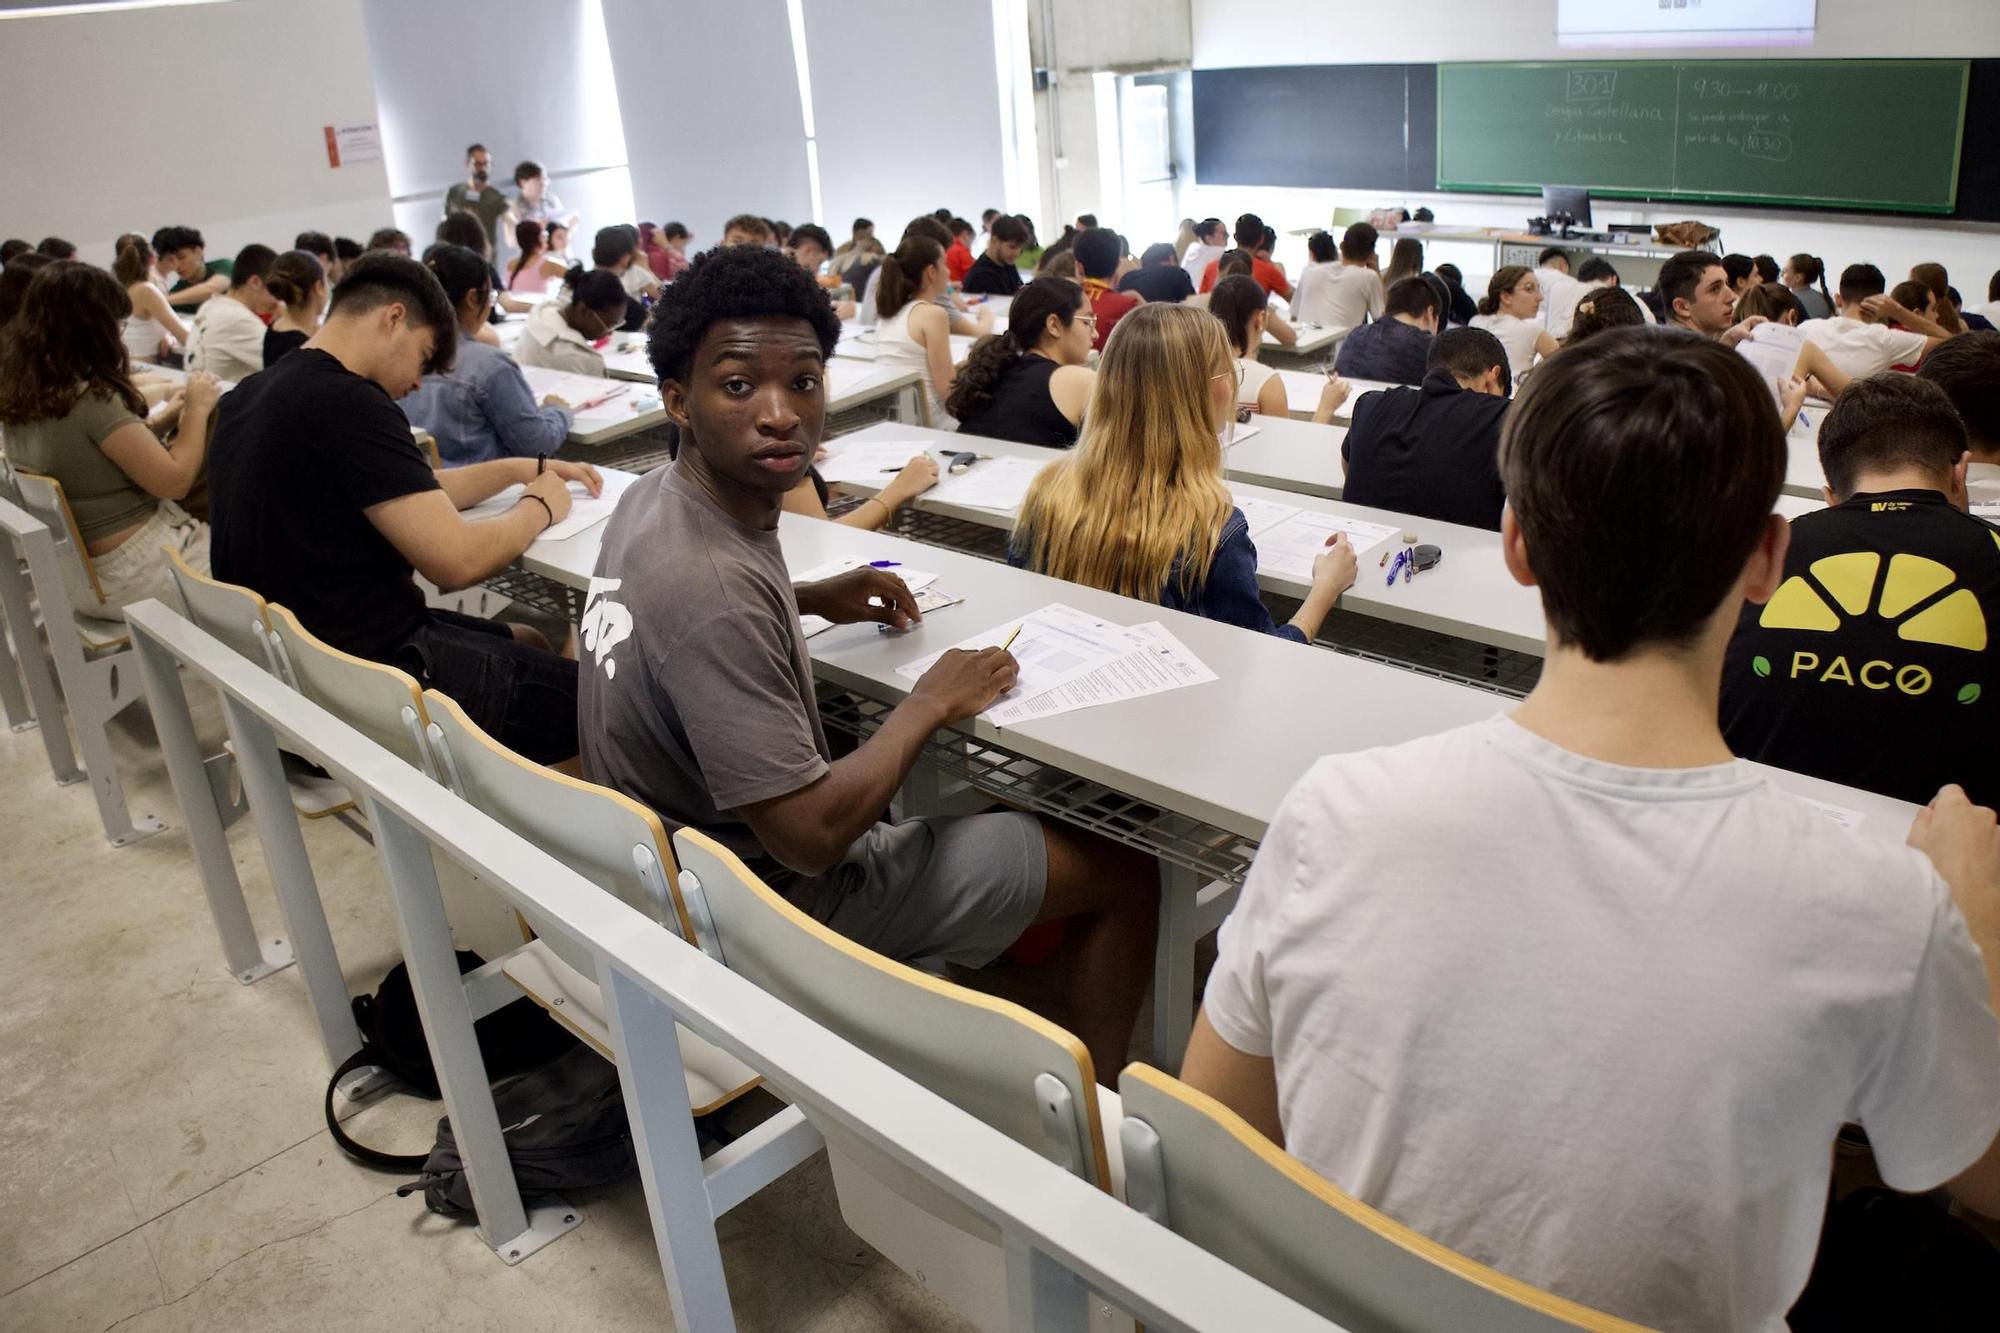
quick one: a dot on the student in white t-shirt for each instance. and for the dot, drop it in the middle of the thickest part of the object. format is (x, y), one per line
(1510, 312)
(1967, 368)
(1560, 291)
(227, 340)
(1340, 293)
(1858, 337)
(1211, 238)
(1572, 991)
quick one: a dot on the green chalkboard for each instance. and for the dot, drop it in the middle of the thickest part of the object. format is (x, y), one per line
(1878, 134)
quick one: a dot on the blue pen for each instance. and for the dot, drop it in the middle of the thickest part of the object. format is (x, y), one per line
(884, 564)
(1402, 558)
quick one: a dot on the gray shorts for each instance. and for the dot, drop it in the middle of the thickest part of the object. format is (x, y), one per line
(957, 888)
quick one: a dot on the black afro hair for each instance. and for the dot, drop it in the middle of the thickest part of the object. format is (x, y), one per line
(734, 282)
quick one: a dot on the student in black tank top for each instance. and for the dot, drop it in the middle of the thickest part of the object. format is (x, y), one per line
(1030, 384)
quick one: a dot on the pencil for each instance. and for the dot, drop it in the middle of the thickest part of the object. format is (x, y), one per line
(1011, 637)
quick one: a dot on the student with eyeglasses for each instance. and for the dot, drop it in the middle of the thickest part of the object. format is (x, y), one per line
(559, 335)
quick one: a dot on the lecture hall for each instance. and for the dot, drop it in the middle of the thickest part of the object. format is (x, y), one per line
(1220, 668)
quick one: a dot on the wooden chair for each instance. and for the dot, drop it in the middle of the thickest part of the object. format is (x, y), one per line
(609, 839)
(1197, 1167)
(1011, 1068)
(237, 616)
(92, 656)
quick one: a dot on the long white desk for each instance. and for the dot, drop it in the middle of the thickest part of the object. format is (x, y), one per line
(1469, 595)
(1316, 343)
(1286, 454)
(850, 383)
(629, 410)
(1222, 755)
(1303, 388)
(857, 343)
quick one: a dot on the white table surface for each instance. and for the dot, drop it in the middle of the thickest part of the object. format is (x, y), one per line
(1470, 594)
(636, 407)
(849, 382)
(1288, 455)
(1225, 752)
(857, 343)
(1314, 339)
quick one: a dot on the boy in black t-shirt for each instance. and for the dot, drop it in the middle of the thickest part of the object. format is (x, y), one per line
(321, 501)
(993, 273)
(1874, 663)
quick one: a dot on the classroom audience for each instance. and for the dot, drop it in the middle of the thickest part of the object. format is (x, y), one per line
(562, 333)
(477, 196)
(912, 331)
(388, 239)
(1573, 992)
(1432, 451)
(1560, 290)
(748, 229)
(1250, 238)
(1139, 507)
(528, 270)
(1098, 254)
(481, 407)
(1606, 307)
(298, 287)
(320, 246)
(153, 329)
(1945, 303)
(1343, 292)
(665, 248)
(1695, 295)
(1862, 666)
(1406, 260)
(1508, 311)
(852, 259)
(1596, 272)
(1031, 383)
(1158, 277)
(1767, 269)
(323, 503)
(1241, 306)
(1211, 238)
(1967, 368)
(182, 252)
(533, 200)
(1462, 307)
(994, 273)
(617, 248)
(1742, 272)
(1859, 337)
(228, 336)
(72, 413)
(701, 705)
(958, 255)
(812, 248)
(1396, 347)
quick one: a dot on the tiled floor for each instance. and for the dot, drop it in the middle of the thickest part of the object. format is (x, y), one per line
(163, 1162)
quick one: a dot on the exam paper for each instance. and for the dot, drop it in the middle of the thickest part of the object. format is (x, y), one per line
(1288, 549)
(1773, 350)
(1055, 645)
(1157, 662)
(1236, 432)
(916, 580)
(574, 389)
(868, 463)
(585, 510)
(994, 483)
(1264, 513)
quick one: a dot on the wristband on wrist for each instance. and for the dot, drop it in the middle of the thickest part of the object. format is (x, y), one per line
(545, 509)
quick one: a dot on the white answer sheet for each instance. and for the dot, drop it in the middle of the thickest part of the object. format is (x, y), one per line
(868, 462)
(916, 580)
(585, 509)
(1157, 662)
(1289, 548)
(992, 483)
(1054, 646)
(1264, 513)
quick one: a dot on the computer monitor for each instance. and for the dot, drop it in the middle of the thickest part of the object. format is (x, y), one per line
(1571, 201)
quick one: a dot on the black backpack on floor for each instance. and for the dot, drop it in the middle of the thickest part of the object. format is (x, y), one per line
(513, 1039)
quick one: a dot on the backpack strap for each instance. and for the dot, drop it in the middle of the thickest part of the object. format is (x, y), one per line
(362, 1059)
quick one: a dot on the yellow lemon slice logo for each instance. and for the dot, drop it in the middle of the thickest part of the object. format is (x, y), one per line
(1845, 583)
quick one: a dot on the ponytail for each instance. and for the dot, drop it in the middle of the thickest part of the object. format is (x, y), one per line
(1504, 280)
(528, 237)
(293, 276)
(134, 258)
(1812, 270)
(460, 270)
(996, 353)
(903, 274)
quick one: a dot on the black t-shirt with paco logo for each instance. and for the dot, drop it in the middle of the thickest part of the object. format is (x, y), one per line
(1874, 663)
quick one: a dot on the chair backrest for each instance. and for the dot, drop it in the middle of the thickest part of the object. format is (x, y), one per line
(229, 611)
(608, 838)
(1199, 1168)
(378, 701)
(43, 497)
(1013, 1069)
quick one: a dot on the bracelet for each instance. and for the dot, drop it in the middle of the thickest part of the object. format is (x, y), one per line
(545, 509)
(878, 500)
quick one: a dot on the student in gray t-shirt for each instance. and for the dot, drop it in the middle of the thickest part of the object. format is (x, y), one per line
(696, 693)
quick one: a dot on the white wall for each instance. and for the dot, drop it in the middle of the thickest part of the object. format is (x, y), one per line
(1447, 30)
(530, 79)
(1303, 32)
(929, 138)
(100, 143)
(710, 100)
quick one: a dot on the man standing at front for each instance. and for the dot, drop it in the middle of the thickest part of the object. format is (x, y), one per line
(476, 195)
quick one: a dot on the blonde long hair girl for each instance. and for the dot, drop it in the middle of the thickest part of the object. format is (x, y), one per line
(1142, 490)
(1139, 508)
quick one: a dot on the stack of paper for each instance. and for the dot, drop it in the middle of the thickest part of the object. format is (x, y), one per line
(868, 463)
(1773, 349)
(585, 510)
(1288, 548)
(1070, 660)
(916, 580)
(587, 395)
(992, 483)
